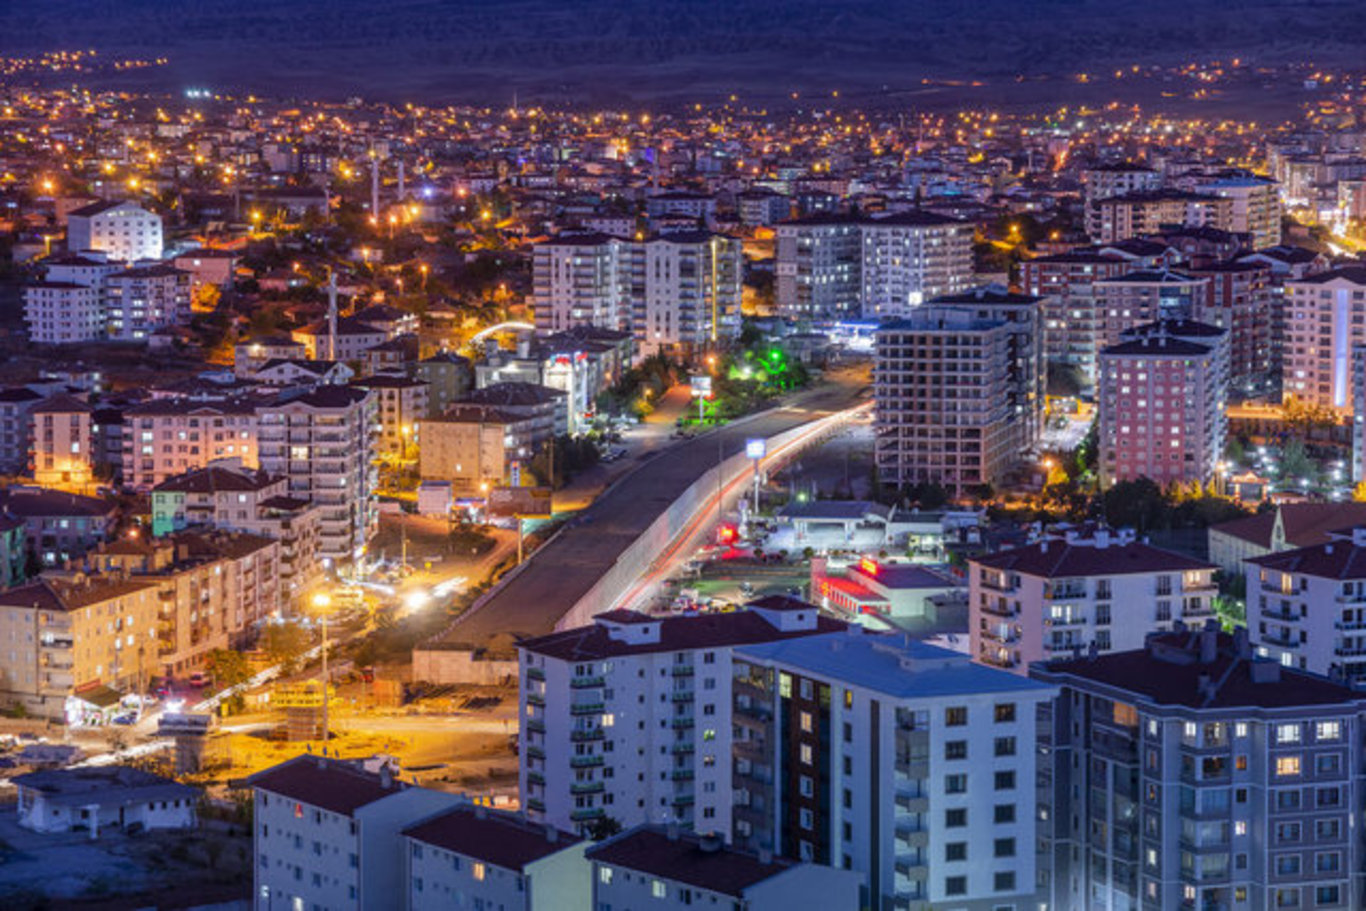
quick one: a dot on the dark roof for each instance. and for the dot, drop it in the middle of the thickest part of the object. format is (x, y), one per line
(987, 294)
(513, 394)
(1122, 167)
(95, 208)
(500, 839)
(1304, 524)
(742, 627)
(1168, 672)
(38, 502)
(688, 859)
(387, 381)
(19, 394)
(477, 414)
(1354, 274)
(1055, 559)
(1149, 276)
(330, 784)
(1335, 559)
(326, 397)
(1179, 328)
(1156, 346)
(215, 479)
(55, 595)
(62, 403)
(915, 218)
(586, 239)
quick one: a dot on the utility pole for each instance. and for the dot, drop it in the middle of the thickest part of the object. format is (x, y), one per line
(325, 682)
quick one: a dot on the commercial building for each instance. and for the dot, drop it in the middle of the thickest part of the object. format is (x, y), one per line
(629, 717)
(898, 759)
(1062, 595)
(941, 387)
(1189, 774)
(882, 589)
(659, 867)
(122, 230)
(1162, 400)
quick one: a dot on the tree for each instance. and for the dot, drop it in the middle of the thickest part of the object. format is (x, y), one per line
(603, 828)
(229, 668)
(283, 642)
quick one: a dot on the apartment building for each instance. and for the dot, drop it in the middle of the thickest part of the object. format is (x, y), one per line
(1065, 284)
(1146, 212)
(688, 294)
(448, 377)
(941, 387)
(137, 302)
(912, 257)
(16, 426)
(582, 280)
(63, 443)
(58, 526)
(63, 313)
(348, 344)
(819, 267)
(120, 229)
(901, 760)
(168, 437)
(322, 441)
(1238, 300)
(1063, 595)
(212, 588)
(1306, 607)
(1161, 407)
(256, 502)
(76, 634)
(629, 717)
(1189, 774)
(1325, 320)
(1144, 296)
(1026, 376)
(1106, 181)
(477, 447)
(474, 857)
(1256, 209)
(326, 833)
(665, 869)
(400, 404)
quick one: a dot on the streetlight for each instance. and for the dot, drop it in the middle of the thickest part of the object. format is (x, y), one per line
(321, 602)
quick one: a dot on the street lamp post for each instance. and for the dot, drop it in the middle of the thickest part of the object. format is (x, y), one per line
(322, 602)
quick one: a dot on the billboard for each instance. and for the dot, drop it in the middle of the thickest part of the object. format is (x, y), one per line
(529, 502)
(701, 386)
(755, 449)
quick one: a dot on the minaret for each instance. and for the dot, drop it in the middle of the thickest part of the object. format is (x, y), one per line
(374, 184)
(332, 316)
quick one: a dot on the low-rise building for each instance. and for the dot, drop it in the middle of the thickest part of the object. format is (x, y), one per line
(99, 798)
(659, 867)
(58, 526)
(1069, 594)
(477, 447)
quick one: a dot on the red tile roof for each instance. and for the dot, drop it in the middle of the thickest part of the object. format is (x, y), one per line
(1059, 559)
(329, 784)
(497, 838)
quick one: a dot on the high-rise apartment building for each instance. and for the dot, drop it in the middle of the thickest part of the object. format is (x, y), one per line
(1238, 300)
(941, 385)
(1256, 205)
(901, 760)
(1325, 319)
(168, 437)
(1143, 296)
(1188, 774)
(122, 229)
(137, 302)
(820, 267)
(629, 717)
(1145, 212)
(582, 280)
(912, 257)
(1161, 403)
(686, 292)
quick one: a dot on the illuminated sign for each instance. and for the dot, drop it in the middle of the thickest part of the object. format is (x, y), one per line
(755, 449)
(701, 386)
(868, 565)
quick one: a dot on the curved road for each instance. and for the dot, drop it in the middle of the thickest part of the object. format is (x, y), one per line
(564, 569)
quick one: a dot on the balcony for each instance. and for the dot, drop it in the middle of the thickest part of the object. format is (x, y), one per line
(1008, 635)
(535, 778)
(682, 670)
(535, 752)
(1065, 593)
(536, 805)
(535, 699)
(1349, 651)
(681, 696)
(683, 800)
(587, 787)
(535, 725)
(535, 673)
(586, 814)
(996, 610)
(585, 735)
(1284, 640)
(1063, 645)
(681, 775)
(588, 681)
(1284, 616)
(682, 748)
(587, 708)
(1350, 625)
(585, 762)
(908, 803)
(1066, 620)
(681, 722)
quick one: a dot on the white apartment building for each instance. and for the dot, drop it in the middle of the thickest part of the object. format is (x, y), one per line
(903, 761)
(400, 403)
(909, 258)
(689, 295)
(941, 387)
(629, 717)
(168, 437)
(1190, 775)
(474, 857)
(1107, 180)
(89, 269)
(122, 230)
(1325, 319)
(664, 869)
(819, 267)
(1063, 595)
(1162, 404)
(323, 442)
(1306, 608)
(326, 834)
(582, 280)
(63, 313)
(137, 302)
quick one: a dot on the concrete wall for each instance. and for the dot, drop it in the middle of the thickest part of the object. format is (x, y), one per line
(460, 666)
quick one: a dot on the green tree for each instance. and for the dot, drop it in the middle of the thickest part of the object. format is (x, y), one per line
(229, 668)
(283, 642)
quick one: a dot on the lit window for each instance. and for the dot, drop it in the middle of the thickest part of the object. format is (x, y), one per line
(658, 889)
(477, 870)
(1287, 766)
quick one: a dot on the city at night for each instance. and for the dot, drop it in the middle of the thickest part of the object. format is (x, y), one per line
(624, 456)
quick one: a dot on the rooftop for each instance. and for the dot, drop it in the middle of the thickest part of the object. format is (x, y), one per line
(1057, 559)
(698, 861)
(330, 784)
(501, 839)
